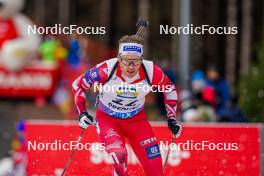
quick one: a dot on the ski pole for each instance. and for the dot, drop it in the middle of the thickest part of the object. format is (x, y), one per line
(167, 156)
(70, 158)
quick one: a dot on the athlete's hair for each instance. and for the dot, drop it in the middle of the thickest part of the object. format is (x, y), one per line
(132, 39)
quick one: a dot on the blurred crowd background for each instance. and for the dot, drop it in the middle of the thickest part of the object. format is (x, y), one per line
(222, 81)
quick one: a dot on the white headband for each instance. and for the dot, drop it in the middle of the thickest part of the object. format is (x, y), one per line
(131, 48)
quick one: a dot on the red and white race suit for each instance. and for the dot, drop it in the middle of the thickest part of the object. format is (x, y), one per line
(121, 113)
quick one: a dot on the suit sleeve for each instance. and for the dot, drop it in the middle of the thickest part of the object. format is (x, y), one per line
(95, 75)
(162, 82)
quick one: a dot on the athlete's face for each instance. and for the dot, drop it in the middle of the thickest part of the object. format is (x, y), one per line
(212, 74)
(130, 64)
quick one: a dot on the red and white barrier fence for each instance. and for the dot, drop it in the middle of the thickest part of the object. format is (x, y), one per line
(203, 149)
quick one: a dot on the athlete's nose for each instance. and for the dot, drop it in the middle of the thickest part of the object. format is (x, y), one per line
(130, 69)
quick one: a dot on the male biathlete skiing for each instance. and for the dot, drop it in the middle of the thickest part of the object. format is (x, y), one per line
(120, 114)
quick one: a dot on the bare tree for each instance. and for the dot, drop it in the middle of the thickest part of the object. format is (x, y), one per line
(184, 44)
(40, 11)
(105, 11)
(143, 12)
(245, 36)
(231, 43)
(64, 12)
(175, 38)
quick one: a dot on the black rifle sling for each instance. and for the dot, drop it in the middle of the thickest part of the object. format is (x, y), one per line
(146, 74)
(112, 72)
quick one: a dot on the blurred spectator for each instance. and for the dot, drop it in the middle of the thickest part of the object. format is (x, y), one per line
(19, 151)
(6, 166)
(185, 98)
(77, 62)
(198, 108)
(233, 113)
(84, 54)
(209, 96)
(62, 98)
(52, 51)
(215, 80)
(74, 51)
(204, 102)
(169, 70)
(198, 81)
(189, 112)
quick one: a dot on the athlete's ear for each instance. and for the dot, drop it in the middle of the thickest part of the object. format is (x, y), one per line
(119, 59)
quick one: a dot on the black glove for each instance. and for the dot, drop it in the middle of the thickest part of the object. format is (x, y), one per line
(85, 120)
(174, 127)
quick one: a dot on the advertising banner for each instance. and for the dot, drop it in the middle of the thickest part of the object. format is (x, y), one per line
(28, 83)
(203, 149)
